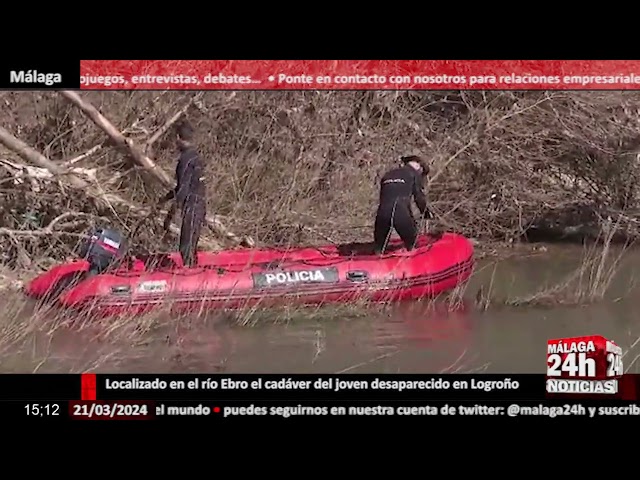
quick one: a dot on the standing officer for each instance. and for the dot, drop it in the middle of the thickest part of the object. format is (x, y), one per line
(397, 187)
(190, 195)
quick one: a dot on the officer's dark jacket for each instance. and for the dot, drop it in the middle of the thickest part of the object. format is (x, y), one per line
(190, 186)
(397, 186)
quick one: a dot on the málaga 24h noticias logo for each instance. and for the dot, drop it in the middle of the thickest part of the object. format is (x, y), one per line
(583, 365)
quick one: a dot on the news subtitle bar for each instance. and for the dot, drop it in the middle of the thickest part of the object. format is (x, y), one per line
(314, 387)
(275, 387)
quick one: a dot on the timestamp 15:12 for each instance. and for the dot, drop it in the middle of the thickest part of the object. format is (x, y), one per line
(42, 409)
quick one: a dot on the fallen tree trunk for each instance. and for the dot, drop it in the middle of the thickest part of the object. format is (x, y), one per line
(103, 200)
(36, 158)
(143, 160)
(579, 222)
(571, 234)
(34, 174)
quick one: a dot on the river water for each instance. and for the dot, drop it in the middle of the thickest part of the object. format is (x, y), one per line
(408, 338)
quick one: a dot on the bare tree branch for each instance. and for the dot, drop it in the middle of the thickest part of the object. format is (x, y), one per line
(103, 200)
(79, 158)
(139, 157)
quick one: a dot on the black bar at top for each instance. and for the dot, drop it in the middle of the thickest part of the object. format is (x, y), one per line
(40, 75)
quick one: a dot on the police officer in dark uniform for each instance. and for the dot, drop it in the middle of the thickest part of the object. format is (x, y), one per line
(190, 195)
(397, 187)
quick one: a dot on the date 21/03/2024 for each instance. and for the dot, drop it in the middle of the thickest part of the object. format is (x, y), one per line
(109, 410)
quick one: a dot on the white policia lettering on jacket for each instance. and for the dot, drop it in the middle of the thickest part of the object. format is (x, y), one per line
(293, 277)
(33, 76)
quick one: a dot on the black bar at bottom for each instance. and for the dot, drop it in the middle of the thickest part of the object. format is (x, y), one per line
(339, 411)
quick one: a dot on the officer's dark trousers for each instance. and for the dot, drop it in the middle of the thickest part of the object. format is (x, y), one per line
(399, 218)
(193, 218)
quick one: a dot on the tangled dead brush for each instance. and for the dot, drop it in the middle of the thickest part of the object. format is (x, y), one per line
(299, 167)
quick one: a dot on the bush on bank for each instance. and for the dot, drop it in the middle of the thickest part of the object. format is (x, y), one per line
(300, 167)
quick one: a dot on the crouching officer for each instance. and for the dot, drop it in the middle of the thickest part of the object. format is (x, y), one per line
(397, 188)
(190, 195)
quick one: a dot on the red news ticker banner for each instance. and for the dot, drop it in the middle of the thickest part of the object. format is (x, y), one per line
(360, 74)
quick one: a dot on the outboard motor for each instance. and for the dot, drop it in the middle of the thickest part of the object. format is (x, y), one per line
(102, 249)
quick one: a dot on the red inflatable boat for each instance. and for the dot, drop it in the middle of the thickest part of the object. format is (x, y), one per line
(248, 277)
